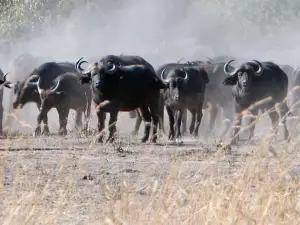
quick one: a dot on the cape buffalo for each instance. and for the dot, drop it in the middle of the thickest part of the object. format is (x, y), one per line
(186, 89)
(216, 95)
(123, 88)
(126, 60)
(27, 90)
(252, 83)
(65, 95)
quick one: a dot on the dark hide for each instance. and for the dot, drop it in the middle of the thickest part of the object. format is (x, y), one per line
(67, 94)
(126, 60)
(216, 96)
(186, 90)
(27, 90)
(254, 82)
(124, 88)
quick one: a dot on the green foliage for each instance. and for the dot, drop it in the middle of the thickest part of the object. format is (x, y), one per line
(20, 17)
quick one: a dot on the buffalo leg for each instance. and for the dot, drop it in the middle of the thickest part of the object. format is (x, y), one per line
(236, 125)
(42, 116)
(179, 115)
(146, 115)
(161, 114)
(78, 119)
(101, 123)
(87, 117)
(212, 115)
(227, 119)
(193, 121)
(112, 126)
(171, 123)
(184, 121)
(45, 122)
(252, 118)
(155, 120)
(46, 127)
(199, 115)
(63, 120)
(284, 110)
(138, 122)
(274, 116)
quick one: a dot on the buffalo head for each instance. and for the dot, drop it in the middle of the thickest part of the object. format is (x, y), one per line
(175, 79)
(97, 72)
(25, 91)
(52, 96)
(243, 75)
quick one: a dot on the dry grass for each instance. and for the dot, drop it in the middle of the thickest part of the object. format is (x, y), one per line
(147, 184)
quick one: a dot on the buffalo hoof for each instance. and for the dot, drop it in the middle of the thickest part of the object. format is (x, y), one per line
(178, 141)
(62, 131)
(46, 131)
(100, 139)
(144, 139)
(154, 139)
(37, 131)
(110, 140)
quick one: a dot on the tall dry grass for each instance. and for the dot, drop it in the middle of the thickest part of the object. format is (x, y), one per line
(253, 188)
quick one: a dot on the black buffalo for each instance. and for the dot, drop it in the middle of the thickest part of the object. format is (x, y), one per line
(27, 90)
(123, 88)
(126, 60)
(217, 96)
(137, 115)
(65, 94)
(186, 90)
(258, 86)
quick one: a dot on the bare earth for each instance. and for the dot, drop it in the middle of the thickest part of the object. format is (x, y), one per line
(71, 180)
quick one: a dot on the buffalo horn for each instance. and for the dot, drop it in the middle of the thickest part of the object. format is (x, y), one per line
(38, 86)
(113, 67)
(186, 74)
(162, 75)
(78, 66)
(260, 68)
(56, 87)
(226, 68)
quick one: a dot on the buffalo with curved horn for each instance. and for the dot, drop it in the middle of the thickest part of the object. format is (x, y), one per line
(186, 90)
(126, 60)
(29, 91)
(117, 88)
(258, 86)
(66, 94)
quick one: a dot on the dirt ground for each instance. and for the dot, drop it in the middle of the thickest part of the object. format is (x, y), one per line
(72, 180)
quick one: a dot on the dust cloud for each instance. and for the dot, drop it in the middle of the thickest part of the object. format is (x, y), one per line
(163, 31)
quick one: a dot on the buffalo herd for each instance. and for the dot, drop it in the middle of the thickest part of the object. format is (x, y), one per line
(128, 83)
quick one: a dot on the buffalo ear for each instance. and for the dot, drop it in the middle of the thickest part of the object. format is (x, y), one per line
(231, 80)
